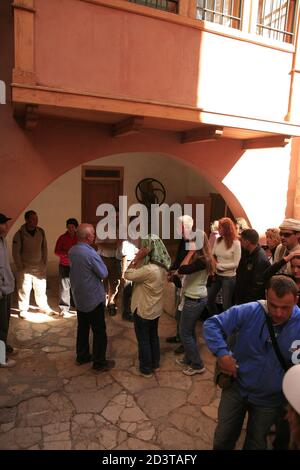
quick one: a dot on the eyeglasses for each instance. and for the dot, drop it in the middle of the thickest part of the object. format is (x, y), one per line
(286, 234)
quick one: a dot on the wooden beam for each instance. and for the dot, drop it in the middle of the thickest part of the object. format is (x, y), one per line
(128, 126)
(26, 115)
(31, 117)
(266, 142)
(201, 134)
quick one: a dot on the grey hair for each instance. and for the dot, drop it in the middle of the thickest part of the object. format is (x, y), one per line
(83, 231)
(187, 221)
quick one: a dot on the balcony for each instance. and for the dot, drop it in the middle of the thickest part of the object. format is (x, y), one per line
(112, 61)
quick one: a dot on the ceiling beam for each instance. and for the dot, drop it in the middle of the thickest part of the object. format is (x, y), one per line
(31, 117)
(127, 126)
(266, 142)
(26, 115)
(201, 134)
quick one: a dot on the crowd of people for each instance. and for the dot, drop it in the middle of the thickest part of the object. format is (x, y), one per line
(246, 287)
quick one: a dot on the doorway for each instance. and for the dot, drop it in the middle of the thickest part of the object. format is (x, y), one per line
(100, 185)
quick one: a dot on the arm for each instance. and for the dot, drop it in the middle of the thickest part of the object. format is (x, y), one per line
(140, 274)
(219, 327)
(59, 248)
(44, 248)
(137, 274)
(197, 265)
(123, 267)
(258, 278)
(273, 269)
(16, 251)
(98, 266)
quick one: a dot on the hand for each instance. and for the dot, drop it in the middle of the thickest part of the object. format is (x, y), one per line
(170, 275)
(291, 255)
(141, 254)
(228, 365)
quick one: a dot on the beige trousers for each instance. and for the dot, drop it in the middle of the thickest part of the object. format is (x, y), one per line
(26, 282)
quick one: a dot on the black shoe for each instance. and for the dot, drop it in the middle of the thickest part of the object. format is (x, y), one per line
(179, 350)
(86, 360)
(109, 364)
(127, 316)
(172, 339)
(9, 349)
(112, 310)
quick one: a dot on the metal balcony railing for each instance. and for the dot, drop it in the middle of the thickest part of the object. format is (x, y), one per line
(276, 19)
(166, 5)
(224, 12)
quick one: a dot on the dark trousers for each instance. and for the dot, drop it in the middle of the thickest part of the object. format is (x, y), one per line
(96, 321)
(148, 343)
(127, 292)
(232, 410)
(4, 317)
(65, 293)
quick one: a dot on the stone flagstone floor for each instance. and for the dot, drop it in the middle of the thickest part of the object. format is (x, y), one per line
(48, 402)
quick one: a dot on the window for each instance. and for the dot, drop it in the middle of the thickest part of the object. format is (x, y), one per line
(171, 6)
(224, 12)
(276, 19)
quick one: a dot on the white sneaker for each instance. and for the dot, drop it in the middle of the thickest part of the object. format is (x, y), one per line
(8, 363)
(22, 313)
(50, 313)
(192, 371)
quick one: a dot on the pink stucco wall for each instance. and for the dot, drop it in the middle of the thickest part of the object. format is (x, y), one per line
(31, 160)
(98, 50)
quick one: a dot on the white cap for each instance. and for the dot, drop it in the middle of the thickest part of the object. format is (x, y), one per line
(291, 387)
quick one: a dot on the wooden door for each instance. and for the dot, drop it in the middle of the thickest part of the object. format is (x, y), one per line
(206, 201)
(96, 191)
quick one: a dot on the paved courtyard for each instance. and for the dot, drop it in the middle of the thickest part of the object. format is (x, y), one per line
(48, 402)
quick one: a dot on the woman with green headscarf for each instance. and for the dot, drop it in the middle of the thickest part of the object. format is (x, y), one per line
(148, 271)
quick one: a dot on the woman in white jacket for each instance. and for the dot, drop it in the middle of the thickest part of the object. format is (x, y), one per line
(227, 252)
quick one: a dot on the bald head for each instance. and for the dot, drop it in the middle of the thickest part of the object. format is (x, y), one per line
(86, 233)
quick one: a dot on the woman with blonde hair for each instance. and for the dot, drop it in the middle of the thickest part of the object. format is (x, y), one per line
(196, 267)
(227, 252)
(272, 241)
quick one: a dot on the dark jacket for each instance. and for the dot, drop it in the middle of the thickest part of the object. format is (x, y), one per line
(250, 276)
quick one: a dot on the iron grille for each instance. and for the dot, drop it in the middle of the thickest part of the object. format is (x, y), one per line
(224, 12)
(276, 19)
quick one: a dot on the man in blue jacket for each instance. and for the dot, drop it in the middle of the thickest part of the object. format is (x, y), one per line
(86, 273)
(257, 388)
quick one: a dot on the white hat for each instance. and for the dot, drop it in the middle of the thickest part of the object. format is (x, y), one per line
(290, 224)
(291, 387)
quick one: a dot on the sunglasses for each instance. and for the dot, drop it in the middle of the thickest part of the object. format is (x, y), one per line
(286, 234)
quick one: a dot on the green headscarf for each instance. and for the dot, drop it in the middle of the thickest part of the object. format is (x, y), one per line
(158, 254)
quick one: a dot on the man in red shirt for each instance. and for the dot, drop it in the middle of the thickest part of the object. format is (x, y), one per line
(63, 244)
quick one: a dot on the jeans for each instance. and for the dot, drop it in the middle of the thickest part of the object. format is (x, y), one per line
(4, 317)
(177, 317)
(96, 321)
(231, 414)
(191, 312)
(227, 284)
(148, 343)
